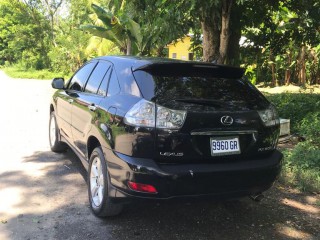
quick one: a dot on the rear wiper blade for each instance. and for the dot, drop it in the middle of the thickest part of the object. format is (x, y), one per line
(214, 103)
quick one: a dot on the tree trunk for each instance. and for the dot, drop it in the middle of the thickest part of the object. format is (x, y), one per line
(225, 30)
(233, 55)
(273, 70)
(128, 47)
(287, 76)
(302, 67)
(160, 51)
(314, 69)
(52, 30)
(209, 20)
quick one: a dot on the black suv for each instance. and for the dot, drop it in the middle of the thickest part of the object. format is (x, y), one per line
(154, 128)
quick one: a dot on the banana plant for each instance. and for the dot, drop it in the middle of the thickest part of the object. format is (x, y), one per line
(121, 29)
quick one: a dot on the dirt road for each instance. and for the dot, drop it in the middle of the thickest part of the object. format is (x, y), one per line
(44, 195)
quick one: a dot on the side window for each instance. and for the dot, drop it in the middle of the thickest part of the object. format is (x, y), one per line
(114, 87)
(96, 77)
(104, 84)
(80, 78)
(146, 84)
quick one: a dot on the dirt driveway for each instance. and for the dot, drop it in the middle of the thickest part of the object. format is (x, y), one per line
(44, 195)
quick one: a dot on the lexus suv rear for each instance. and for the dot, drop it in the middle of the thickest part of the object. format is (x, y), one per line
(155, 128)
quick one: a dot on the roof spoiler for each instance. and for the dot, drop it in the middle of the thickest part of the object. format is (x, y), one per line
(191, 68)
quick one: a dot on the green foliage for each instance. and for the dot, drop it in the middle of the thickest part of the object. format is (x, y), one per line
(283, 34)
(148, 25)
(69, 54)
(297, 107)
(284, 41)
(310, 126)
(99, 47)
(161, 22)
(301, 164)
(251, 74)
(302, 167)
(23, 35)
(116, 26)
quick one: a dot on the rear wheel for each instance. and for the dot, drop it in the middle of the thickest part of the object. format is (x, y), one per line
(55, 144)
(98, 186)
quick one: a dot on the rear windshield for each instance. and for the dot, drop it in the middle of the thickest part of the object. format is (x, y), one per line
(198, 89)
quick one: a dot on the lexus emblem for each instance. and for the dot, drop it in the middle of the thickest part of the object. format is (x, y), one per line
(226, 120)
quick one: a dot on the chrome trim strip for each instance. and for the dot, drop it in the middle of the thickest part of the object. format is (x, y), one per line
(221, 133)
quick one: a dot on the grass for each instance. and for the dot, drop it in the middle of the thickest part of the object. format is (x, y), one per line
(301, 167)
(20, 72)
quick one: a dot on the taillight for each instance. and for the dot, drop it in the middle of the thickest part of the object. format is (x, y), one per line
(139, 187)
(167, 118)
(269, 116)
(146, 114)
(142, 114)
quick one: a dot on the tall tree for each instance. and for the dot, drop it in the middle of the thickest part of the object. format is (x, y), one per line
(69, 52)
(219, 28)
(52, 9)
(209, 18)
(23, 34)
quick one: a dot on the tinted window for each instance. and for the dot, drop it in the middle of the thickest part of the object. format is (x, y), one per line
(80, 78)
(146, 84)
(219, 93)
(126, 81)
(114, 87)
(96, 77)
(104, 84)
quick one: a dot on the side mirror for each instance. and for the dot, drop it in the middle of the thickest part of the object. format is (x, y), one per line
(58, 83)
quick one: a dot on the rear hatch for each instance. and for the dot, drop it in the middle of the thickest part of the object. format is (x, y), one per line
(222, 122)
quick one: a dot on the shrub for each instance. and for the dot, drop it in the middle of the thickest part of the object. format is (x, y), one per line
(295, 106)
(301, 164)
(302, 167)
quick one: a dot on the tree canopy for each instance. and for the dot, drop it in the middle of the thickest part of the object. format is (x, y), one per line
(280, 38)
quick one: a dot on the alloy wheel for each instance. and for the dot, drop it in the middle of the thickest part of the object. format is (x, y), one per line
(96, 182)
(52, 130)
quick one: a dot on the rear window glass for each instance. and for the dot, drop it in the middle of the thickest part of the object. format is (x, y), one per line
(200, 89)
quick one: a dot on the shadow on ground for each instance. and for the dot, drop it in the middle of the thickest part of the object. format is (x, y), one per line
(51, 203)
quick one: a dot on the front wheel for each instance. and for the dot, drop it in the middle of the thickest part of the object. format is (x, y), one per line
(55, 144)
(98, 186)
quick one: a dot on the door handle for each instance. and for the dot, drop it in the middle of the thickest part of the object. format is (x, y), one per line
(70, 101)
(92, 107)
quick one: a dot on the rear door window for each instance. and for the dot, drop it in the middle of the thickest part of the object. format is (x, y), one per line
(114, 87)
(94, 82)
(79, 80)
(104, 84)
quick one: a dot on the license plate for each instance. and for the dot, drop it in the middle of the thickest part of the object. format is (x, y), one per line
(224, 146)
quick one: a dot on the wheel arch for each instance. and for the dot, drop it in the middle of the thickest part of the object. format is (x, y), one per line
(51, 108)
(92, 143)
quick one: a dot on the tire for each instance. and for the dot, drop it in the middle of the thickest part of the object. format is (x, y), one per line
(55, 144)
(98, 187)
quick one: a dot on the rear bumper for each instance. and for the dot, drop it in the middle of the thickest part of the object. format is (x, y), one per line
(191, 180)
